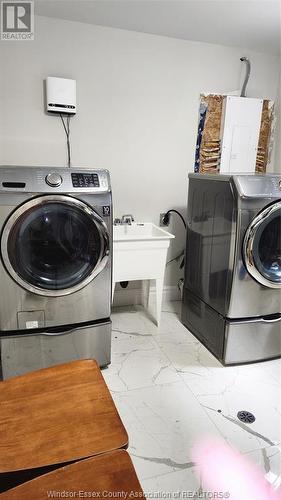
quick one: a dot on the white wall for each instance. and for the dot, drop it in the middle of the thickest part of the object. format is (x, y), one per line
(137, 106)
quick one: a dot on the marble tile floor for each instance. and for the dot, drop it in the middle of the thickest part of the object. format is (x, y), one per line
(170, 392)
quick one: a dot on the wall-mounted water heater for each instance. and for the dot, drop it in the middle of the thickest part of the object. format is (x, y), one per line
(61, 95)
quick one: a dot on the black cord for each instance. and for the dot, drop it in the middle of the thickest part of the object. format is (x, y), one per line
(166, 221)
(68, 141)
(176, 258)
(67, 132)
(166, 216)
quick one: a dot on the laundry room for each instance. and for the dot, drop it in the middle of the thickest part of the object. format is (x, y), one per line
(140, 270)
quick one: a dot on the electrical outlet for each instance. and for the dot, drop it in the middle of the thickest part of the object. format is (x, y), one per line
(161, 220)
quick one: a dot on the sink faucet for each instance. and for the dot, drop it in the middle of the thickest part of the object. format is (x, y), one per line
(127, 219)
(117, 221)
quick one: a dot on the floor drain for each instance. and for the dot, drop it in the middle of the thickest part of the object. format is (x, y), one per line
(246, 416)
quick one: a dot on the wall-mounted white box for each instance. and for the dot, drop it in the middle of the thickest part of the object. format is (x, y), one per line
(61, 95)
(240, 128)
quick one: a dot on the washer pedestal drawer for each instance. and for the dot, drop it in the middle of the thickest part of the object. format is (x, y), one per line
(25, 353)
(254, 339)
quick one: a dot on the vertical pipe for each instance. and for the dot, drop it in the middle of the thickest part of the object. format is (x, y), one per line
(247, 76)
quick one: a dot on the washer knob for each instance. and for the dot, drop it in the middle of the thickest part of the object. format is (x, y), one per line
(53, 179)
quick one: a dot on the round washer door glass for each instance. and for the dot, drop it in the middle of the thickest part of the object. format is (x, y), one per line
(54, 245)
(262, 247)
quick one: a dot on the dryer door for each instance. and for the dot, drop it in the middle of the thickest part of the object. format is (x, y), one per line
(262, 247)
(54, 245)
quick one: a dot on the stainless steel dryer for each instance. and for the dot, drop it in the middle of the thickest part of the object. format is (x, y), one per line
(55, 268)
(232, 289)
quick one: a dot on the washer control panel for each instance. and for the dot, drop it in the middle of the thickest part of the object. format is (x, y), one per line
(53, 179)
(85, 180)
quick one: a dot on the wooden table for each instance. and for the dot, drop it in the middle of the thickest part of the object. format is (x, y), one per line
(111, 472)
(55, 416)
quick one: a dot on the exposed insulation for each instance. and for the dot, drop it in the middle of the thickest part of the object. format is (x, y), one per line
(208, 157)
(265, 136)
(208, 146)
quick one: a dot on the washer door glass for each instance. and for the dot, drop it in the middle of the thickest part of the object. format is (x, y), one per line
(263, 247)
(54, 244)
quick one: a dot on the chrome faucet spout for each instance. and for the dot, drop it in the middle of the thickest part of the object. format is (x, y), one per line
(127, 219)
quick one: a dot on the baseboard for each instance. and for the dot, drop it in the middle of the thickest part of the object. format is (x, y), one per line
(134, 296)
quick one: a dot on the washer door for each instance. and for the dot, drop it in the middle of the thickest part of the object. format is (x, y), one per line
(54, 245)
(262, 247)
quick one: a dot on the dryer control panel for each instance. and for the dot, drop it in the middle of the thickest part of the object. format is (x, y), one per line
(258, 186)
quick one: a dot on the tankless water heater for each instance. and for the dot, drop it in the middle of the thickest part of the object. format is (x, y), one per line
(61, 95)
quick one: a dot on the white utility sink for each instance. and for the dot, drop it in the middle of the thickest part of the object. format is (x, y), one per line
(140, 253)
(140, 231)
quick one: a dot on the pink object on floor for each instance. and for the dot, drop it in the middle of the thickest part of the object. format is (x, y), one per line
(226, 471)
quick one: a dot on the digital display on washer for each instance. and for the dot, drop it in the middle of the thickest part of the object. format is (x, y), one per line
(85, 180)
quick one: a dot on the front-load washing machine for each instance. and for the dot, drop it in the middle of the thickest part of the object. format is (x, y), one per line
(55, 268)
(232, 288)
